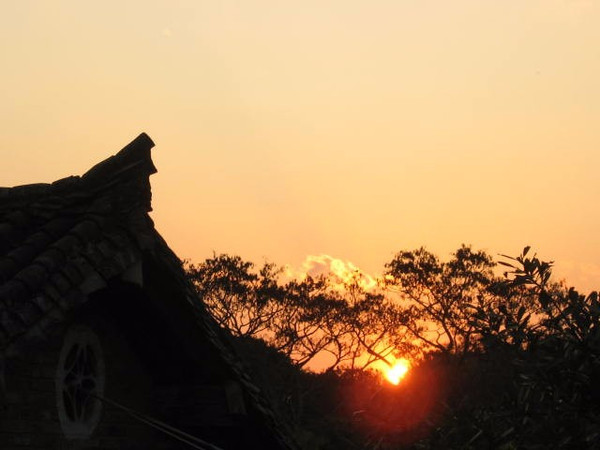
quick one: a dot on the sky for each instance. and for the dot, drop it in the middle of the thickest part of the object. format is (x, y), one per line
(334, 129)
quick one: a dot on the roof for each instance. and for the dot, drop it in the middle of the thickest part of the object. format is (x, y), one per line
(53, 237)
(60, 241)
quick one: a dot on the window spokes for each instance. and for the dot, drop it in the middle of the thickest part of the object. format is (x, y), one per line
(80, 380)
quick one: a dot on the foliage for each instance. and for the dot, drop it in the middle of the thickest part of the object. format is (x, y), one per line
(309, 323)
(439, 296)
(545, 352)
(507, 362)
(241, 300)
(342, 324)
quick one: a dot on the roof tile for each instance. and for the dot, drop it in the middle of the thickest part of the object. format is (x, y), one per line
(13, 292)
(53, 294)
(28, 312)
(23, 254)
(10, 236)
(43, 303)
(53, 319)
(75, 297)
(58, 226)
(66, 183)
(72, 272)
(107, 269)
(33, 276)
(60, 282)
(39, 240)
(83, 266)
(92, 255)
(86, 230)
(107, 250)
(19, 219)
(11, 323)
(51, 259)
(28, 190)
(66, 243)
(8, 267)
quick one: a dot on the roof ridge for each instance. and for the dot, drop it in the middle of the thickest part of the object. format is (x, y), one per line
(131, 165)
(134, 155)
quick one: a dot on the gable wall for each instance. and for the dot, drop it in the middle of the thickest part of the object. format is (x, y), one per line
(29, 419)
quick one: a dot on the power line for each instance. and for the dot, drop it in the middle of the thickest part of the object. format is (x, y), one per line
(176, 433)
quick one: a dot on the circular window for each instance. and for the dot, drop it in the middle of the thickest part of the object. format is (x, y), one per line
(79, 382)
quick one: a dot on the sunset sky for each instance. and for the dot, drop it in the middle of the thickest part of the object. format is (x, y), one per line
(352, 129)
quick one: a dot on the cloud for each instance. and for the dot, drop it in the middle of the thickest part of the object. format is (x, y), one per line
(339, 271)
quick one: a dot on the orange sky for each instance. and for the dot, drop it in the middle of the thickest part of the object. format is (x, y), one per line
(348, 128)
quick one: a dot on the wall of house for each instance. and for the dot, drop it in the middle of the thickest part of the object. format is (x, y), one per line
(148, 368)
(29, 418)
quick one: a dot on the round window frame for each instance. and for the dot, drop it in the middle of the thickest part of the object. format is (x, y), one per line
(80, 379)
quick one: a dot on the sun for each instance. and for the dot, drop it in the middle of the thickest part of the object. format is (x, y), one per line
(395, 373)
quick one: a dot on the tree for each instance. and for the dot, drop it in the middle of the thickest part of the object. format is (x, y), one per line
(240, 299)
(311, 322)
(377, 325)
(544, 361)
(339, 322)
(439, 297)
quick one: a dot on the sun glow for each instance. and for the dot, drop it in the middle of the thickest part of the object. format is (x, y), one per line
(397, 371)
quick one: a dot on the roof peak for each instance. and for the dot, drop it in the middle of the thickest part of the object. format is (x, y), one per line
(132, 161)
(134, 156)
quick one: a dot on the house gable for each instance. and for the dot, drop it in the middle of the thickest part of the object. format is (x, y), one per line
(82, 254)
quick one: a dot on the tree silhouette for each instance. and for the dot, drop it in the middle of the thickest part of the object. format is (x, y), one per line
(342, 324)
(441, 296)
(506, 362)
(242, 300)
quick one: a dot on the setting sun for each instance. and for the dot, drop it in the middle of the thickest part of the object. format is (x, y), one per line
(397, 371)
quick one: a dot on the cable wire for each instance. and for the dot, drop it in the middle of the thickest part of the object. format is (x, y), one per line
(176, 433)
